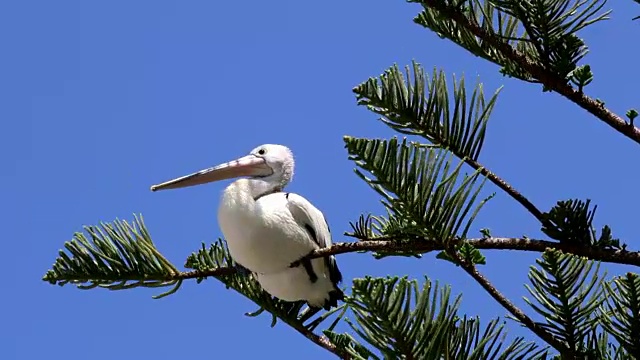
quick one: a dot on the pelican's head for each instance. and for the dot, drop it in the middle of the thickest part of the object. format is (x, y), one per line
(270, 162)
(279, 159)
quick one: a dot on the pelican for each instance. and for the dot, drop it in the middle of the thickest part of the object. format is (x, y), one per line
(269, 231)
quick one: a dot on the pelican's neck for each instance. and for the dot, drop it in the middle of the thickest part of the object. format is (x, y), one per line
(248, 191)
(259, 187)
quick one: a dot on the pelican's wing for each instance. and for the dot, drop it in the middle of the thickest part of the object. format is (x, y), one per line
(312, 219)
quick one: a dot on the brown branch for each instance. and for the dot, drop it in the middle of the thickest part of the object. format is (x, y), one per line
(547, 78)
(511, 307)
(321, 341)
(517, 196)
(417, 246)
(423, 246)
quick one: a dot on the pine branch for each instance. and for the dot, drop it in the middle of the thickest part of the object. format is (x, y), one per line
(386, 244)
(117, 256)
(621, 312)
(402, 321)
(599, 346)
(424, 194)
(60, 276)
(122, 256)
(538, 71)
(322, 341)
(511, 307)
(348, 343)
(417, 105)
(567, 293)
(507, 188)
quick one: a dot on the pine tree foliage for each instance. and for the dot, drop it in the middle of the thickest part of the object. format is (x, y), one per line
(622, 311)
(598, 345)
(402, 321)
(417, 105)
(355, 350)
(121, 256)
(552, 26)
(567, 292)
(502, 25)
(425, 195)
(430, 199)
(115, 256)
(544, 32)
(571, 222)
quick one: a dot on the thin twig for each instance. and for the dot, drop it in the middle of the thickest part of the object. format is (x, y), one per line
(547, 78)
(517, 196)
(511, 307)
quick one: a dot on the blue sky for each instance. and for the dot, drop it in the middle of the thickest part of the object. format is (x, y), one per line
(102, 99)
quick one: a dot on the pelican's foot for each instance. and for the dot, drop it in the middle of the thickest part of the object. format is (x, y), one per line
(301, 260)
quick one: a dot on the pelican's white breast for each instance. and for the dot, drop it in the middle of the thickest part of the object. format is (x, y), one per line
(262, 235)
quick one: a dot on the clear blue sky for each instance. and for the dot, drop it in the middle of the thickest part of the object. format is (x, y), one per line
(102, 99)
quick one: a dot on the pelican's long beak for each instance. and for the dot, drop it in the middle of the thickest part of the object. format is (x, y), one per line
(249, 165)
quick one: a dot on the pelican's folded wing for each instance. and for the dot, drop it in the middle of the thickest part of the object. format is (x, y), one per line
(313, 220)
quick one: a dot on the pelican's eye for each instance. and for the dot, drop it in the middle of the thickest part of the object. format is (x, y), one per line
(262, 151)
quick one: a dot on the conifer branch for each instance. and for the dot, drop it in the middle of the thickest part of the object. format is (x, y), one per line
(121, 255)
(419, 105)
(506, 187)
(566, 293)
(509, 306)
(386, 244)
(376, 244)
(321, 341)
(547, 78)
(493, 243)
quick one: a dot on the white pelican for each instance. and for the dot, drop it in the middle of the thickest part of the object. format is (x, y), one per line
(268, 230)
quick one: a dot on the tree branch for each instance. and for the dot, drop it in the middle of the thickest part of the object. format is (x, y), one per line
(380, 244)
(511, 307)
(422, 246)
(517, 196)
(321, 341)
(547, 78)
(494, 243)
